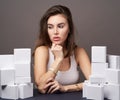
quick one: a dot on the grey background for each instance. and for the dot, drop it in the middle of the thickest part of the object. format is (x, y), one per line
(97, 22)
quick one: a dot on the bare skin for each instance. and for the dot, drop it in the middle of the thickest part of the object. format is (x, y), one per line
(58, 31)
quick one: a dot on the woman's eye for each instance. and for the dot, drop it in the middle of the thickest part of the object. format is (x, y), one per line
(49, 27)
(61, 26)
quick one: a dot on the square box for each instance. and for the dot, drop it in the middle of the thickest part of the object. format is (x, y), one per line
(22, 70)
(113, 76)
(99, 54)
(84, 92)
(0, 90)
(112, 91)
(7, 61)
(94, 91)
(7, 76)
(10, 92)
(99, 69)
(22, 55)
(21, 80)
(114, 61)
(25, 90)
(97, 79)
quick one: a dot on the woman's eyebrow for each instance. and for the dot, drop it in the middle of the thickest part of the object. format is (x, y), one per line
(57, 24)
(49, 24)
(61, 23)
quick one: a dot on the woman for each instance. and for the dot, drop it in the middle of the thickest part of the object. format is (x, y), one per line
(56, 56)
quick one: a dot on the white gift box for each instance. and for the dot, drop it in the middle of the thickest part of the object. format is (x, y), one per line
(20, 80)
(15, 69)
(7, 61)
(10, 92)
(84, 92)
(0, 90)
(97, 79)
(112, 91)
(99, 68)
(22, 70)
(114, 61)
(94, 91)
(99, 54)
(113, 76)
(25, 90)
(22, 55)
(7, 76)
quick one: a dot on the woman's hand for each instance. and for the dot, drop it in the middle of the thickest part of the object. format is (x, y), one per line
(43, 82)
(41, 90)
(57, 50)
(53, 86)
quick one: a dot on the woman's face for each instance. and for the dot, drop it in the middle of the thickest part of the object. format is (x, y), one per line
(58, 29)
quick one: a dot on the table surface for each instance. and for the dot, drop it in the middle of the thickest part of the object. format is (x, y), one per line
(56, 96)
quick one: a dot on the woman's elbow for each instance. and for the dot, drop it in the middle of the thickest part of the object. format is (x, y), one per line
(36, 83)
(40, 86)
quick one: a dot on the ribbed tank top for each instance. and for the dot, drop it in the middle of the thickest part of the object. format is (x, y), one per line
(71, 76)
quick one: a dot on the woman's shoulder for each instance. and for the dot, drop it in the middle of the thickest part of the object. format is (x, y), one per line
(42, 49)
(79, 53)
(79, 50)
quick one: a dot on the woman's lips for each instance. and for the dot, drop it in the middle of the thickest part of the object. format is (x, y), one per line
(56, 38)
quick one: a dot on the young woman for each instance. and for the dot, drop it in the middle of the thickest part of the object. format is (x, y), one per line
(56, 57)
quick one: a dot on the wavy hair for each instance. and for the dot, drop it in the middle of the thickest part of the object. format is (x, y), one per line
(44, 39)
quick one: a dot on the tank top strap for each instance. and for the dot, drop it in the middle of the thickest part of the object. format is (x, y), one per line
(73, 62)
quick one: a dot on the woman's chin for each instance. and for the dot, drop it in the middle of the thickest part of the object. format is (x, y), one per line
(58, 43)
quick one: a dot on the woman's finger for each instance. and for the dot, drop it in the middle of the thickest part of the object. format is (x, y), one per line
(53, 45)
(52, 88)
(48, 85)
(49, 80)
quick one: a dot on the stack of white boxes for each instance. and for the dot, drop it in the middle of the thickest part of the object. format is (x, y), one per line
(104, 82)
(15, 75)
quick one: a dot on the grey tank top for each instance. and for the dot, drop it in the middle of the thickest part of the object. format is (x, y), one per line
(71, 76)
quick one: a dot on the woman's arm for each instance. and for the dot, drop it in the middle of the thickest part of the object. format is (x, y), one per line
(85, 66)
(83, 61)
(40, 67)
(55, 85)
(73, 87)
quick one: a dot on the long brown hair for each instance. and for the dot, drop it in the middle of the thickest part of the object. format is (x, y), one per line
(44, 39)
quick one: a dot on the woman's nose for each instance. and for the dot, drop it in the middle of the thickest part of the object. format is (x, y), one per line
(55, 31)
